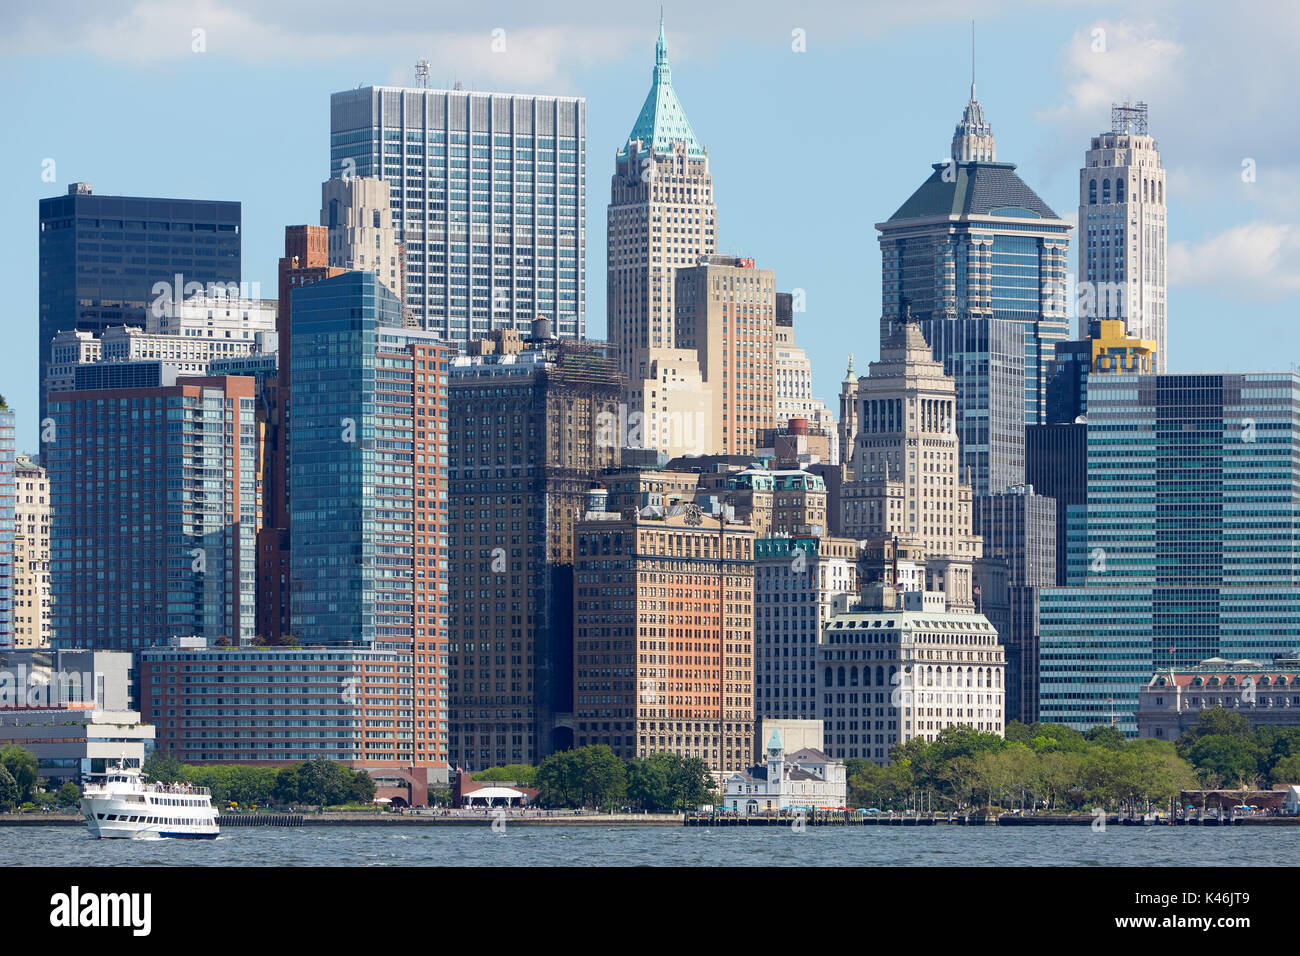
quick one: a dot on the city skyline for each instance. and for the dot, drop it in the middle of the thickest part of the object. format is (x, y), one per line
(779, 228)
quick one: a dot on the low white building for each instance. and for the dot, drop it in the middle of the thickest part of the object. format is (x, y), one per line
(1291, 802)
(805, 778)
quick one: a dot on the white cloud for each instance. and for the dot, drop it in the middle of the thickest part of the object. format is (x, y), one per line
(1256, 260)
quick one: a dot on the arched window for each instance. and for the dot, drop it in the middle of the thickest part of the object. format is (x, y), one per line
(1105, 191)
(840, 676)
(880, 676)
(829, 681)
(1119, 190)
(1092, 192)
(853, 676)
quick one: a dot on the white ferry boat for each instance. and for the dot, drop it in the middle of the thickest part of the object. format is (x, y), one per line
(120, 804)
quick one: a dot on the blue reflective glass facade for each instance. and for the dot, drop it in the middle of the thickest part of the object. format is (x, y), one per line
(1192, 538)
(368, 467)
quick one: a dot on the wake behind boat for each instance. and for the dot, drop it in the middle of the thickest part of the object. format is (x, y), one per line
(120, 804)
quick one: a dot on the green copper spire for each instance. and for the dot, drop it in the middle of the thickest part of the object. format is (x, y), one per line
(662, 119)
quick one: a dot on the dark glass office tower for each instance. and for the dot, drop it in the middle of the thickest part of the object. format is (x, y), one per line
(101, 257)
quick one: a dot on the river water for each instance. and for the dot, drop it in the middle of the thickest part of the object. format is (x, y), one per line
(667, 846)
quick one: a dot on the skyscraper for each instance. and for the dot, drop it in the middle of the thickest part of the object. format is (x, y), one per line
(796, 580)
(661, 218)
(357, 212)
(1018, 531)
(975, 242)
(488, 199)
(664, 634)
(154, 493)
(907, 499)
(725, 312)
(1191, 517)
(526, 446)
(1122, 239)
(102, 257)
(31, 555)
(368, 490)
(8, 494)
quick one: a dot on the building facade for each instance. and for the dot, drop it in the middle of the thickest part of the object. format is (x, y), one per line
(1018, 530)
(279, 705)
(804, 779)
(796, 581)
(1123, 244)
(105, 260)
(357, 211)
(725, 311)
(526, 446)
(975, 242)
(1266, 693)
(908, 492)
(664, 634)
(32, 602)
(661, 218)
(70, 709)
(1190, 517)
(909, 670)
(154, 499)
(488, 199)
(8, 524)
(368, 502)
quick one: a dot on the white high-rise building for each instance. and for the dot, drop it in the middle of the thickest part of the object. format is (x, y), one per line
(1122, 232)
(488, 197)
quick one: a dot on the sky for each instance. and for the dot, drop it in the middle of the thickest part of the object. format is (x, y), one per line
(820, 120)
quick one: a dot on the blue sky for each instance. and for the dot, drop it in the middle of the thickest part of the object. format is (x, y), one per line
(808, 149)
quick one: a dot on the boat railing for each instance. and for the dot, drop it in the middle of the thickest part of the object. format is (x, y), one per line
(180, 789)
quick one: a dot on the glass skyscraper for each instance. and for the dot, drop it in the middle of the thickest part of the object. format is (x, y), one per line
(488, 192)
(975, 242)
(985, 358)
(101, 256)
(1192, 545)
(155, 507)
(368, 491)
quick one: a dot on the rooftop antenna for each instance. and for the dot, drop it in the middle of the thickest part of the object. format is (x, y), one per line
(422, 74)
(972, 59)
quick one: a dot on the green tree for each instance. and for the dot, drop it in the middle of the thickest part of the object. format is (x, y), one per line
(362, 788)
(21, 765)
(1231, 757)
(1217, 722)
(1105, 735)
(522, 774)
(288, 786)
(603, 776)
(1286, 770)
(69, 795)
(8, 791)
(690, 783)
(557, 782)
(163, 767)
(647, 783)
